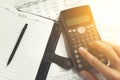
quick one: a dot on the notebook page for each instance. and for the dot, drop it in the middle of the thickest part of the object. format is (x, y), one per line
(26, 61)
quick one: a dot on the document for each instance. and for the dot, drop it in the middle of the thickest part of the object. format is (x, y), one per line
(46, 8)
(28, 56)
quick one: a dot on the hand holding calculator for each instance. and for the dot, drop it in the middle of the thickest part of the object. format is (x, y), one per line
(79, 29)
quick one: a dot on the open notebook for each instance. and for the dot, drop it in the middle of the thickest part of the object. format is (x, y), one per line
(28, 56)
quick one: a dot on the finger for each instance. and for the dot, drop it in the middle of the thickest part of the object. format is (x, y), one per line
(107, 51)
(112, 75)
(109, 73)
(88, 75)
(93, 61)
(115, 47)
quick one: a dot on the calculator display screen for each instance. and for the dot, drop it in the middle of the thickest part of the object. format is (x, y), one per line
(77, 20)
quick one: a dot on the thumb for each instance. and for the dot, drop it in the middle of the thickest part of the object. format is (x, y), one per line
(88, 75)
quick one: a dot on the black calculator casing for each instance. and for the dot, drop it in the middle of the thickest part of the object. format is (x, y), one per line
(79, 29)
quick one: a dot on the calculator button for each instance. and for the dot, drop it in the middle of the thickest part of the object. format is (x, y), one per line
(92, 25)
(87, 39)
(73, 39)
(88, 27)
(78, 61)
(75, 46)
(80, 65)
(83, 41)
(91, 38)
(77, 56)
(74, 30)
(69, 30)
(90, 35)
(79, 45)
(81, 30)
(75, 51)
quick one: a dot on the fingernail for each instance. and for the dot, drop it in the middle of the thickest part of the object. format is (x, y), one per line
(81, 49)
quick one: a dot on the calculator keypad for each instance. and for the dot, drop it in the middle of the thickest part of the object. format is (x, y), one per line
(83, 34)
(80, 37)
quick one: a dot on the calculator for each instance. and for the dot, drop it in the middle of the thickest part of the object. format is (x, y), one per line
(79, 29)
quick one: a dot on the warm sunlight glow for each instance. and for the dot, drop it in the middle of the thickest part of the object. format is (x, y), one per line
(105, 12)
(107, 17)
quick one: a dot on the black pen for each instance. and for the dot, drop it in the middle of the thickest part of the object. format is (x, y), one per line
(17, 44)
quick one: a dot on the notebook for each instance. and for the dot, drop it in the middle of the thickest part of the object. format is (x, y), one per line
(29, 54)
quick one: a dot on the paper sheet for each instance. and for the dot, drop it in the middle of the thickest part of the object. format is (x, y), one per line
(46, 8)
(25, 63)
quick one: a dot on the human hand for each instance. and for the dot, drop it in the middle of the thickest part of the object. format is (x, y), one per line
(111, 51)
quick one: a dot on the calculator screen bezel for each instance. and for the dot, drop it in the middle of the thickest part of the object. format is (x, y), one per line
(77, 12)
